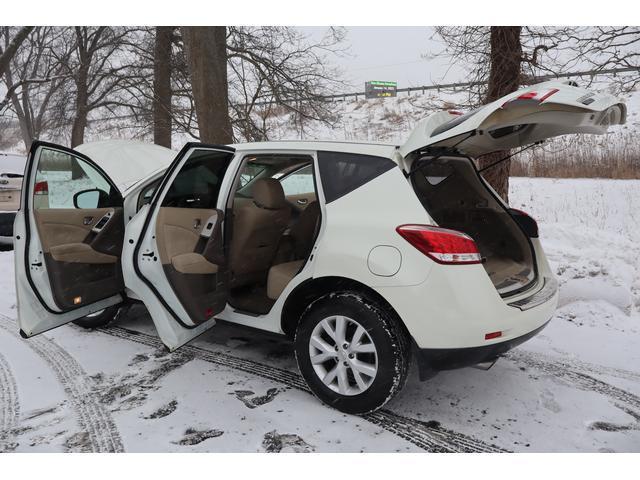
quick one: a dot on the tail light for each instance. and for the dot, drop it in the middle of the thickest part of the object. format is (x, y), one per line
(443, 246)
(526, 222)
(537, 97)
(41, 188)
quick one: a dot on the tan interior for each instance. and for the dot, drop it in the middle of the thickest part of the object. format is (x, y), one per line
(257, 228)
(301, 201)
(280, 276)
(178, 231)
(61, 226)
(83, 266)
(80, 253)
(193, 263)
(302, 235)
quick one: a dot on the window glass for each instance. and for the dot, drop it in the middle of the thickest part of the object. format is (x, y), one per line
(251, 171)
(299, 182)
(147, 194)
(66, 181)
(198, 183)
(342, 173)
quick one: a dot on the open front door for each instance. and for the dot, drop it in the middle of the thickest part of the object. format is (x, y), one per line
(174, 258)
(68, 237)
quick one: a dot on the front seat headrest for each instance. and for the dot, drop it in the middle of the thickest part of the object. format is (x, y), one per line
(268, 193)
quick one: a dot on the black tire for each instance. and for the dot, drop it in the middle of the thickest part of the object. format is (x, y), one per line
(99, 319)
(390, 340)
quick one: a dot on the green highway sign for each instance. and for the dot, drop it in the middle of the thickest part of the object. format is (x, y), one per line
(380, 89)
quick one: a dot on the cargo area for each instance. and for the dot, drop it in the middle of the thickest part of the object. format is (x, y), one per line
(451, 191)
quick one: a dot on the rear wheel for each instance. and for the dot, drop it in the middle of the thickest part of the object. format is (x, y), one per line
(352, 353)
(99, 318)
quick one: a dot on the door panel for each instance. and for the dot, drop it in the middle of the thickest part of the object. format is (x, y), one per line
(300, 201)
(67, 257)
(192, 261)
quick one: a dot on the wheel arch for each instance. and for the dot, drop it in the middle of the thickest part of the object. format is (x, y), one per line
(314, 288)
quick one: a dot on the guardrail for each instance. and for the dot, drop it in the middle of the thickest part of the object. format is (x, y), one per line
(445, 86)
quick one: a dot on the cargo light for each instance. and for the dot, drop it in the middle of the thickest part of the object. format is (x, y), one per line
(448, 247)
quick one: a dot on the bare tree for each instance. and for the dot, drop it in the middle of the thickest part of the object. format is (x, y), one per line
(99, 66)
(34, 82)
(283, 66)
(11, 48)
(162, 86)
(206, 49)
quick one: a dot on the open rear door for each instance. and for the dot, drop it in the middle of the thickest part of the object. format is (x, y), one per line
(68, 237)
(174, 258)
(529, 115)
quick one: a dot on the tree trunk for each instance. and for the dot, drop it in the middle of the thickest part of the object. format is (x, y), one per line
(82, 108)
(162, 87)
(504, 78)
(206, 49)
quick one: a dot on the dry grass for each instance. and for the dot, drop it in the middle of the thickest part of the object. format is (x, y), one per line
(616, 155)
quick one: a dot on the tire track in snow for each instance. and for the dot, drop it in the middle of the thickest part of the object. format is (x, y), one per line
(425, 436)
(94, 419)
(573, 364)
(564, 372)
(9, 406)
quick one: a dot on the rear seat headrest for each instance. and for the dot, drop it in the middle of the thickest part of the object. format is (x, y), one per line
(268, 193)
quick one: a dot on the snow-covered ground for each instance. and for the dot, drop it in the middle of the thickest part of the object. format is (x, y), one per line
(574, 387)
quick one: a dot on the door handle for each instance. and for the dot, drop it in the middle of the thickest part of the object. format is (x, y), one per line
(87, 220)
(302, 201)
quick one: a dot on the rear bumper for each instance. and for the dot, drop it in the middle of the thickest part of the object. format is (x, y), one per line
(6, 224)
(433, 360)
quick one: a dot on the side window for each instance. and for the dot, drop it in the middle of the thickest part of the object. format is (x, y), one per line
(299, 182)
(342, 173)
(249, 172)
(198, 183)
(66, 181)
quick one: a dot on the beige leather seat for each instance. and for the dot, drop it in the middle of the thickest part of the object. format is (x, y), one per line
(303, 237)
(280, 276)
(257, 228)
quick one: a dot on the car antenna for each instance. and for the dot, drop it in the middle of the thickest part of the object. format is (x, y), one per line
(491, 165)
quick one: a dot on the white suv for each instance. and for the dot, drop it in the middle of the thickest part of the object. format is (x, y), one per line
(361, 253)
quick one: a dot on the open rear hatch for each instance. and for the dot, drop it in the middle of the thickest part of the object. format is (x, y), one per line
(437, 156)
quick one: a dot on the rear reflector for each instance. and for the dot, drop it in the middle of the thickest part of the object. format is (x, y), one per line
(41, 188)
(443, 246)
(489, 336)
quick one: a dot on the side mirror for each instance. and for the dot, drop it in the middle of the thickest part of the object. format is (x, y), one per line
(88, 198)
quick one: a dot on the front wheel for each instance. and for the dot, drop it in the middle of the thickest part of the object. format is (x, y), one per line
(352, 353)
(99, 318)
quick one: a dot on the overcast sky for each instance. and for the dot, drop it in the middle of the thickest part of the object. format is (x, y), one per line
(392, 54)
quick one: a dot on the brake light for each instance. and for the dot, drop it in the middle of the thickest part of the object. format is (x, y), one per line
(41, 188)
(442, 245)
(537, 97)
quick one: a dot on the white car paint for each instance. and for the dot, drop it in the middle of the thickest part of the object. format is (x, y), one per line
(441, 306)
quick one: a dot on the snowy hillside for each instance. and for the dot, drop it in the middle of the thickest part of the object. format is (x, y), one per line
(574, 387)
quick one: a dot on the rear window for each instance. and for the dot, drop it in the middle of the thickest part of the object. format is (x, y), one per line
(342, 173)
